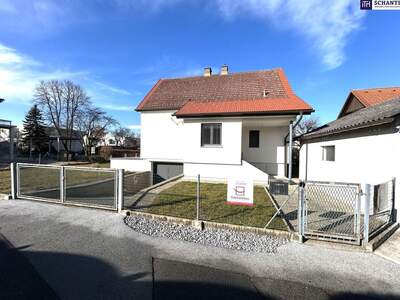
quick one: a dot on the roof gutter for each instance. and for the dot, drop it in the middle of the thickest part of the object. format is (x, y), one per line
(285, 141)
(341, 130)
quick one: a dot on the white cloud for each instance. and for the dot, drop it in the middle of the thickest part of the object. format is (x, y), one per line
(117, 107)
(327, 25)
(112, 89)
(19, 74)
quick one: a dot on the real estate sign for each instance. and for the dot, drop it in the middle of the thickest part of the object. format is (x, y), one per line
(240, 191)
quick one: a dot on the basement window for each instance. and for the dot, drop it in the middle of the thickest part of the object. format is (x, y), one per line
(254, 138)
(211, 134)
(328, 153)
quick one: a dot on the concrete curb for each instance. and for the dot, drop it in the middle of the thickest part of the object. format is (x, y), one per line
(381, 237)
(5, 197)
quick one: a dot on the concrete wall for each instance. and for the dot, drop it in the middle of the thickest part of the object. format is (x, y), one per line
(221, 172)
(166, 138)
(130, 164)
(271, 149)
(161, 136)
(369, 156)
(228, 153)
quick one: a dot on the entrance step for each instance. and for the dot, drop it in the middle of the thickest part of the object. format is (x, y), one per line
(382, 237)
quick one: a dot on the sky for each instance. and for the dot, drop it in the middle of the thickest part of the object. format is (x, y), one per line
(117, 49)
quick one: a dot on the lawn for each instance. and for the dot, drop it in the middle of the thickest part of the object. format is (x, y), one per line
(33, 178)
(43, 178)
(180, 201)
(5, 185)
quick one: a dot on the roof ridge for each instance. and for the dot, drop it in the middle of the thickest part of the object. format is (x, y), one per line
(229, 74)
(376, 88)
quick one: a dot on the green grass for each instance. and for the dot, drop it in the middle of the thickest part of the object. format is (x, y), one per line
(5, 181)
(180, 201)
(33, 178)
(42, 178)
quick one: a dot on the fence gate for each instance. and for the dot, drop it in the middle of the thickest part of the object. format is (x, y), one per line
(330, 211)
(80, 186)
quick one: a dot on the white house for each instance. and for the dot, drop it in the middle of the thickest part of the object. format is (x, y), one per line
(361, 146)
(217, 126)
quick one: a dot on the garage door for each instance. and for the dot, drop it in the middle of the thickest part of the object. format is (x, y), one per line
(163, 171)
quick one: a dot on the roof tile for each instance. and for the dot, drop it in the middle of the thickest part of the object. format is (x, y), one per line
(224, 92)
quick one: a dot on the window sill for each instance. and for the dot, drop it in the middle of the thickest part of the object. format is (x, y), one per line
(211, 146)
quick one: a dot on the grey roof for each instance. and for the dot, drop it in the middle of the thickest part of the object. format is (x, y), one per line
(370, 116)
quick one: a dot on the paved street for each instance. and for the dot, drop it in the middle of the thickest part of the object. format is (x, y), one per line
(91, 254)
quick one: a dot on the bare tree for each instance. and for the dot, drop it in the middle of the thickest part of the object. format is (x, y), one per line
(306, 125)
(92, 126)
(61, 101)
(121, 133)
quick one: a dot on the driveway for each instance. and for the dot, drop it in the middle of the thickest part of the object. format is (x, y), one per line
(91, 254)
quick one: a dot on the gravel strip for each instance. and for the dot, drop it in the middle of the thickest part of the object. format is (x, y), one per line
(244, 241)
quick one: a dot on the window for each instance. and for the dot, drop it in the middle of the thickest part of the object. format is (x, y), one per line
(211, 134)
(254, 138)
(328, 153)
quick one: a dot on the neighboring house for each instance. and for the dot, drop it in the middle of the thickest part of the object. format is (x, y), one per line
(127, 142)
(218, 126)
(56, 140)
(7, 143)
(361, 146)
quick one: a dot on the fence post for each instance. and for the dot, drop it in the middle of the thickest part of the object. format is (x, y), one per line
(366, 214)
(120, 197)
(300, 212)
(393, 208)
(13, 181)
(62, 184)
(358, 212)
(198, 198)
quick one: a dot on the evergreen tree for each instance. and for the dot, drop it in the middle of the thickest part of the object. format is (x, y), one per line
(34, 133)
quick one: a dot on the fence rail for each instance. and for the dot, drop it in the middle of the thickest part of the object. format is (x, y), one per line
(204, 199)
(80, 186)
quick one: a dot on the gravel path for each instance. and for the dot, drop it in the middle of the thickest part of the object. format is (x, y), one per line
(230, 239)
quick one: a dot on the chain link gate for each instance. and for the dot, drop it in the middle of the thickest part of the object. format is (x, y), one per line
(68, 185)
(330, 211)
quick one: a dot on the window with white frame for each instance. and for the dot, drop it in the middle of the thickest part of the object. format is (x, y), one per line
(211, 134)
(328, 153)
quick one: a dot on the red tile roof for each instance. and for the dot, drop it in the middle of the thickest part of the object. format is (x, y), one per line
(233, 93)
(292, 104)
(370, 97)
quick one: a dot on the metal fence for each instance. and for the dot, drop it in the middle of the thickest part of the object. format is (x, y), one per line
(200, 198)
(81, 186)
(5, 183)
(379, 208)
(331, 211)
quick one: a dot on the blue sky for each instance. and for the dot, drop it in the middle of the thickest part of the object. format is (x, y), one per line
(118, 49)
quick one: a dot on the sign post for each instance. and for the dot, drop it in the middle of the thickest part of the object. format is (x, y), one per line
(240, 192)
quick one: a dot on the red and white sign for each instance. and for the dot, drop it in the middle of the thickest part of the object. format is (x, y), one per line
(240, 192)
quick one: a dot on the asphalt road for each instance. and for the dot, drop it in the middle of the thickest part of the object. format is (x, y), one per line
(90, 254)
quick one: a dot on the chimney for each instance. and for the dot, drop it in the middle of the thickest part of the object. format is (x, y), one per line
(224, 70)
(207, 72)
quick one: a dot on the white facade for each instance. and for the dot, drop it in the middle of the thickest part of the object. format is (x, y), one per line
(130, 164)
(161, 136)
(164, 138)
(369, 158)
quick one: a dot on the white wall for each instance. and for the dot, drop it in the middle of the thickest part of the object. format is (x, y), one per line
(231, 143)
(271, 149)
(221, 172)
(161, 136)
(130, 164)
(370, 159)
